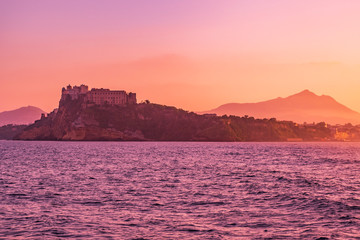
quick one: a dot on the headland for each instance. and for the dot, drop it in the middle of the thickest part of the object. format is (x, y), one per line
(107, 115)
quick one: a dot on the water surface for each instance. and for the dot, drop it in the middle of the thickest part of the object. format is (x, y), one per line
(169, 190)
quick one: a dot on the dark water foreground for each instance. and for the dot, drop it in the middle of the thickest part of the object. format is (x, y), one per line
(151, 190)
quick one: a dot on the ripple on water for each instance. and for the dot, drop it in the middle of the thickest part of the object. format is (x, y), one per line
(143, 190)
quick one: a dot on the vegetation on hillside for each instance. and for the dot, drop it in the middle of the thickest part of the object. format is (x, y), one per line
(9, 131)
(76, 120)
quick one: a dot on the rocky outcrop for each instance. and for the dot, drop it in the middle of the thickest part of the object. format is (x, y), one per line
(8, 132)
(77, 121)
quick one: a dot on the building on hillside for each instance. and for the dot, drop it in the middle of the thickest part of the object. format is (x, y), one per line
(74, 92)
(102, 96)
(98, 96)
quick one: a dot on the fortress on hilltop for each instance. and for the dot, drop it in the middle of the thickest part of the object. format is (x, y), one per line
(98, 96)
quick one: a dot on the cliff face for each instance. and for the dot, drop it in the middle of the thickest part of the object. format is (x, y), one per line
(76, 121)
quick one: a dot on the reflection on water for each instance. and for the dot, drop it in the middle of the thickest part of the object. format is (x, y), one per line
(152, 190)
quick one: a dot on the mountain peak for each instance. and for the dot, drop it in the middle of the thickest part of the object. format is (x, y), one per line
(23, 115)
(305, 93)
(304, 106)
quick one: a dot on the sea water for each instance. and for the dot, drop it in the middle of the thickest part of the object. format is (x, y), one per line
(179, 190)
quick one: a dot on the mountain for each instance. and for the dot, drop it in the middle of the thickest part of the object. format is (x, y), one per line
(23, 115)
(301, 107)
(78, 121)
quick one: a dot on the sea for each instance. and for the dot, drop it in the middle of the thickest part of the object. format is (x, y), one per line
(179, 190)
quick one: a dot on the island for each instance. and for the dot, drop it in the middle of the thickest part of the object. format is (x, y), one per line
(107, 115)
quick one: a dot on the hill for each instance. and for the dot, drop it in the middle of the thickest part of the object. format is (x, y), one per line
(23, 115)
(77, 120)
(301, 107)
(8, 132)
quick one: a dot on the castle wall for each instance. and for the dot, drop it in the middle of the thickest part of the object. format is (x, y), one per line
(99, 96)
(131, 98)
(102, 96)
(74, 92)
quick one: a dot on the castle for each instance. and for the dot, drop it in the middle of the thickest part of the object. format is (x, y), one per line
(98, 96)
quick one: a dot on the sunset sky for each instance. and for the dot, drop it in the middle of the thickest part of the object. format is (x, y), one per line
(192, 54)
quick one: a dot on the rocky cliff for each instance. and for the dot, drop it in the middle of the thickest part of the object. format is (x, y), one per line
(75, 120)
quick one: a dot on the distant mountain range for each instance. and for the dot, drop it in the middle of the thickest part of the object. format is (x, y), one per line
(23, 115)
(301, 107)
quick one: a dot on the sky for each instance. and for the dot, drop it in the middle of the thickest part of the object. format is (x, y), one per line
(192, 54)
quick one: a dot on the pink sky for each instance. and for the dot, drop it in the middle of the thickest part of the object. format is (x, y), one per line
(191, 54)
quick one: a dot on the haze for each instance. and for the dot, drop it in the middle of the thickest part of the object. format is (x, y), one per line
(195, 55)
